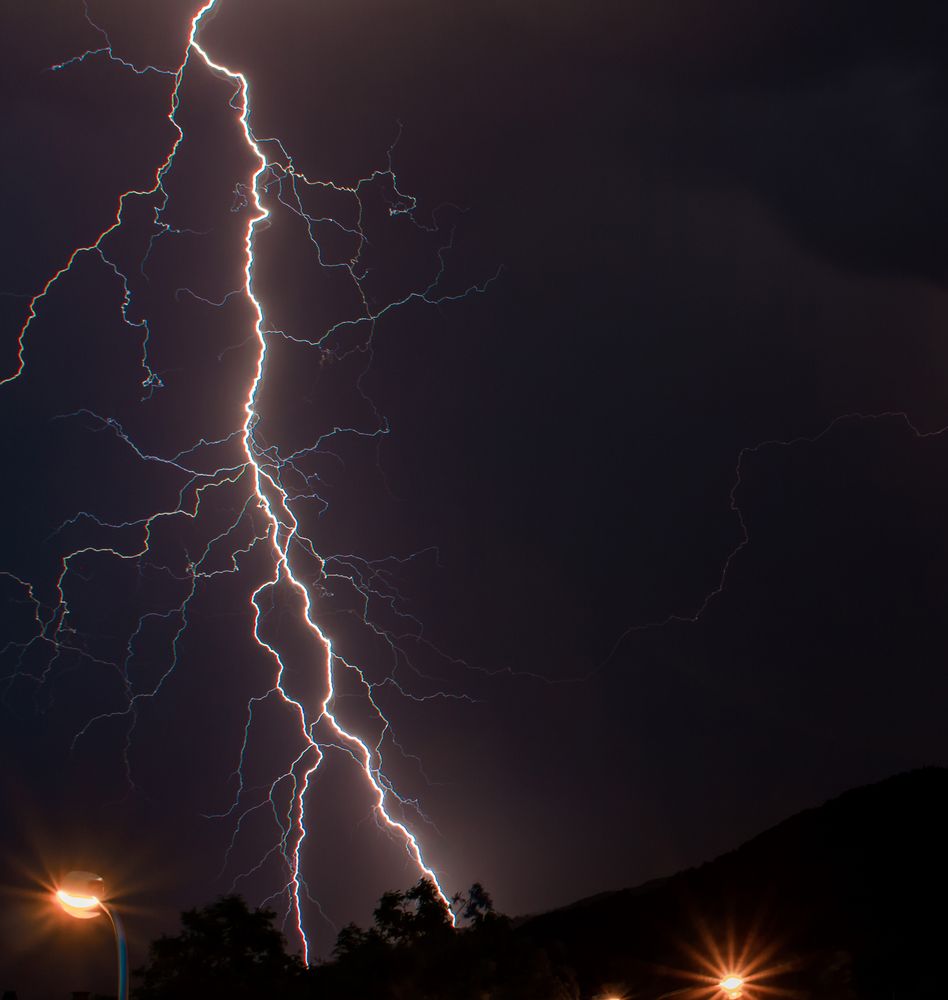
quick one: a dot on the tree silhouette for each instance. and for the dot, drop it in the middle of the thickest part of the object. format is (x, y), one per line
(413, 952)
(477, 908)
(405, 918)
(224, 949)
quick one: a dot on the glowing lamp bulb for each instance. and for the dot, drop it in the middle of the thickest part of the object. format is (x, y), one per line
(80, 895)
(732, 986)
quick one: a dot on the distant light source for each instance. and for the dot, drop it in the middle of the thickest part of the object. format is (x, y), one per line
(732, 986)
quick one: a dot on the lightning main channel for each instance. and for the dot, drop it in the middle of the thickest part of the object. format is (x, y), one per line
(264, 518)
(283, 532)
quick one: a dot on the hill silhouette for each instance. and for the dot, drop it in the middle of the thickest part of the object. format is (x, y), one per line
(844, 900)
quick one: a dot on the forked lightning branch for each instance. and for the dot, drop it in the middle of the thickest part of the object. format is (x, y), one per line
(267, 518)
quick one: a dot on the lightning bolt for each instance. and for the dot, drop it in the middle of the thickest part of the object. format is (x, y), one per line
(263, 486)
(746, 455)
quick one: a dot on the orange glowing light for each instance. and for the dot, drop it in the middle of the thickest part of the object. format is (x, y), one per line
(727, 964)
(80, 895)
(76, 902)
(733, 986)
(81, 907)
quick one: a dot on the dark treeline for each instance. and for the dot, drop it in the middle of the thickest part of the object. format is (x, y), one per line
(843, 902)
(413, 949)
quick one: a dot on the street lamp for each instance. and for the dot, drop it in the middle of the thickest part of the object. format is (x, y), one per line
(81, 895)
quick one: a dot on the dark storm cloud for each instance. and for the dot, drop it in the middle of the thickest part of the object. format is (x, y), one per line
(836, 118)
(854, 166)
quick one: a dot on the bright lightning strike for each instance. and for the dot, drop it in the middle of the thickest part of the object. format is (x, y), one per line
(266, 482)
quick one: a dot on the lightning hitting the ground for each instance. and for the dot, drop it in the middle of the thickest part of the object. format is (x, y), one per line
(263, 487)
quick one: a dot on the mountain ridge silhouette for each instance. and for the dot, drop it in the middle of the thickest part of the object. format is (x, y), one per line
(848, 896)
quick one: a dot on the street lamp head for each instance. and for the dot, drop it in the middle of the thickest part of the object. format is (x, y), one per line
(80, 894)
(733, 986)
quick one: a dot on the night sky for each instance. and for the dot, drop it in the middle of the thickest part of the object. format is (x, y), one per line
(657, 518)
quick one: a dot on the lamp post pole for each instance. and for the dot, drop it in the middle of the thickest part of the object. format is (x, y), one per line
(121, 950)
(80, 895)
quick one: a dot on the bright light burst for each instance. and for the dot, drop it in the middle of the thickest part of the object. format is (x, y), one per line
(743, 967)
(265, 479)
(733, 986)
